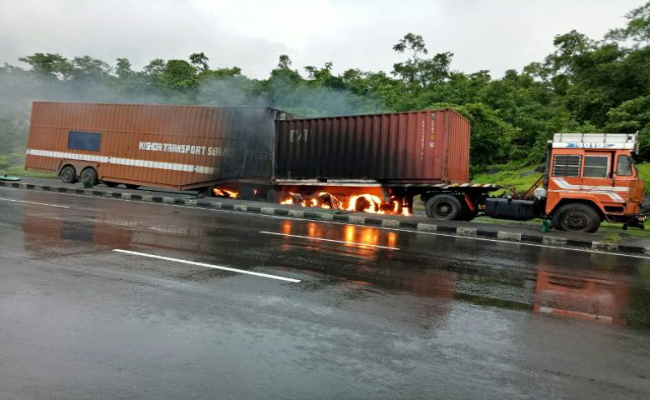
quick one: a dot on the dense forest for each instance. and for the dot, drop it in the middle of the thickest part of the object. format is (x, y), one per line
(584, 85)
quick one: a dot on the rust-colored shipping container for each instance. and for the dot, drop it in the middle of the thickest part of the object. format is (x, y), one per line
(179, 147)
(430, 146)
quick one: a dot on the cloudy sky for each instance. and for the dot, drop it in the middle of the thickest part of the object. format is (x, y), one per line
(483, 34)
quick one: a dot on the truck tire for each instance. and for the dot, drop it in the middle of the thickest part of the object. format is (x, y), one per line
(89, 175)
(68, 174)
(576, 217)
(444, 207)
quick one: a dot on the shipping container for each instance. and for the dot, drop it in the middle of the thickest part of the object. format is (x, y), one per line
(179, 147)
(425, 147)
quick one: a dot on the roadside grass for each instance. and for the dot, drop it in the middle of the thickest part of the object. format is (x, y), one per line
(20, 171)
(521, 179)
(644, 173)
(14, 164)
(612, 237)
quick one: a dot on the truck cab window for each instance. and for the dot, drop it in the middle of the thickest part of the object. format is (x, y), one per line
(566, 165)
(596, 167)
(624, 166)
(84, 140)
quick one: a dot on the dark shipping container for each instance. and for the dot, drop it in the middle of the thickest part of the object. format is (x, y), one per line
(412, 147)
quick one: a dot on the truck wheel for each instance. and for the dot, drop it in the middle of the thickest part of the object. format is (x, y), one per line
(576, 217)
(444, 206)
(68, 174)
(89, 175)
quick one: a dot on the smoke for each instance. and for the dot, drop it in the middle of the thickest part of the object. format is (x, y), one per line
(19, 88)
(296, 98)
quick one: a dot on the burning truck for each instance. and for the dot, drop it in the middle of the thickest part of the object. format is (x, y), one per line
(374, 163)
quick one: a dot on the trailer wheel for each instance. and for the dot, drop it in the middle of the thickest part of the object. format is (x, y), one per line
(576, 217)
(89, 175)
(68, 174)
(444, 207)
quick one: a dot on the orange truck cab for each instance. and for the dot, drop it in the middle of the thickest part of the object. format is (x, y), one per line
(590, 178)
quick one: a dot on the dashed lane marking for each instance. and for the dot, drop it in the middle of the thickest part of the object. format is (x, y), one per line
(178, 260)
(32, 202)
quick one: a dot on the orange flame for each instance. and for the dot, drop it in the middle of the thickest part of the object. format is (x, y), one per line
(228, 193)
(374, 203)
(365, 202)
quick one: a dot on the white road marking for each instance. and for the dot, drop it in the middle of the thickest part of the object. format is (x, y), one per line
(178, 260)
(364, 226)
(32, 202)
(330, 240)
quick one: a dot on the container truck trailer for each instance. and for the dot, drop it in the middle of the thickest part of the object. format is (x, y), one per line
(374, 163)
(167, 146)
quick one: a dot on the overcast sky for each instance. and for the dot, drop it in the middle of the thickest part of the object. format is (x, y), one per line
(483, 34)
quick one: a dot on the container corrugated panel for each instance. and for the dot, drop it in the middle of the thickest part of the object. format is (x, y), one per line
(418, 147)
(155, 145)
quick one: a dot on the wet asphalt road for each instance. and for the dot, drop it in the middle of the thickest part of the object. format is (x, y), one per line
(376, 314)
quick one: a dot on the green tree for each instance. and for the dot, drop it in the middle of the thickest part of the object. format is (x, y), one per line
(179, 75)
(49, 64)
(490, 135)
(630, 117)
(638, 26)
(88, 68)
(123, 69)
(200, 61)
